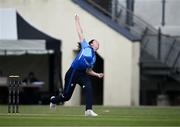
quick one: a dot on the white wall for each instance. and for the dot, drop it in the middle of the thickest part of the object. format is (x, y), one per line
(56, 17)
(135, 81)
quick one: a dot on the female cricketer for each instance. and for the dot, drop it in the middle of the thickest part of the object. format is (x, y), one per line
(80, 71)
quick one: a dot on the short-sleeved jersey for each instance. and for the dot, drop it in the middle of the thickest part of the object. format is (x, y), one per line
(85, 58)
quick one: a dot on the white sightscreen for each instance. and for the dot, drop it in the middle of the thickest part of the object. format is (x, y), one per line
(8, 24)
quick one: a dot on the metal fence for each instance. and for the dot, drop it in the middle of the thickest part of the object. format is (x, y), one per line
(164, 48)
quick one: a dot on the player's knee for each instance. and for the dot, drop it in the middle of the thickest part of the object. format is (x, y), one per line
(53, 100)
(87, 87)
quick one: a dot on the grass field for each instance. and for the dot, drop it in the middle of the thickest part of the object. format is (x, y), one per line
(37, 115)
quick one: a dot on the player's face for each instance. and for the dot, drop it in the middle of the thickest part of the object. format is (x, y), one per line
(95, 45)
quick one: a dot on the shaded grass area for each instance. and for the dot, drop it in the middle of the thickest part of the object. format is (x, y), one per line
(37, 115)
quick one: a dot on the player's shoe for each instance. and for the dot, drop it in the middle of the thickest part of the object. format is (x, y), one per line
(90, 112)
(52, 105)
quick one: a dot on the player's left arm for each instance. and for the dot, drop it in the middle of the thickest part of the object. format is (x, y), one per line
(93, 73)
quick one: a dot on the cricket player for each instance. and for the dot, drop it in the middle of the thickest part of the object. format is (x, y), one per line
(80, 71)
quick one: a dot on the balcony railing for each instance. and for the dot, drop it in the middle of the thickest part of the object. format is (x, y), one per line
(164, 48)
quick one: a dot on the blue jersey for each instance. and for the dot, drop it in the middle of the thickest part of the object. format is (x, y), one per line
(85, 58)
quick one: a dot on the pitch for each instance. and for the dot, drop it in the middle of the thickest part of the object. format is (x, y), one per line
(38, 115)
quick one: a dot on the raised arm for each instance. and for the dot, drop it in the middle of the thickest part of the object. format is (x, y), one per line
(79, 28)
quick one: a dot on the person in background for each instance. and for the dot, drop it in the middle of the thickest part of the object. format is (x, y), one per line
(30, 78)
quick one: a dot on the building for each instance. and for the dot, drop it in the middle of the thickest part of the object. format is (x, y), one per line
(118, 54)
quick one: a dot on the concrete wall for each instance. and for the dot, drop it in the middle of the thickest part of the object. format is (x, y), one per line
(56, 17)
(135, 78)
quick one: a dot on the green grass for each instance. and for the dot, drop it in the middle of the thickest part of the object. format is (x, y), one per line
(37, 115)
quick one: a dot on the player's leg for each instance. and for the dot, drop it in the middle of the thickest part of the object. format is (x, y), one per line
(85, 82)
(68, 88)
(88, 92)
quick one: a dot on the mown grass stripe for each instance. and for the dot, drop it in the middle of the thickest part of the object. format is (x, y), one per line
(108, 116)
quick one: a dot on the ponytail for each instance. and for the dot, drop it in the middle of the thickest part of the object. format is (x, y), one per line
(79, 43)
(91, 41)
